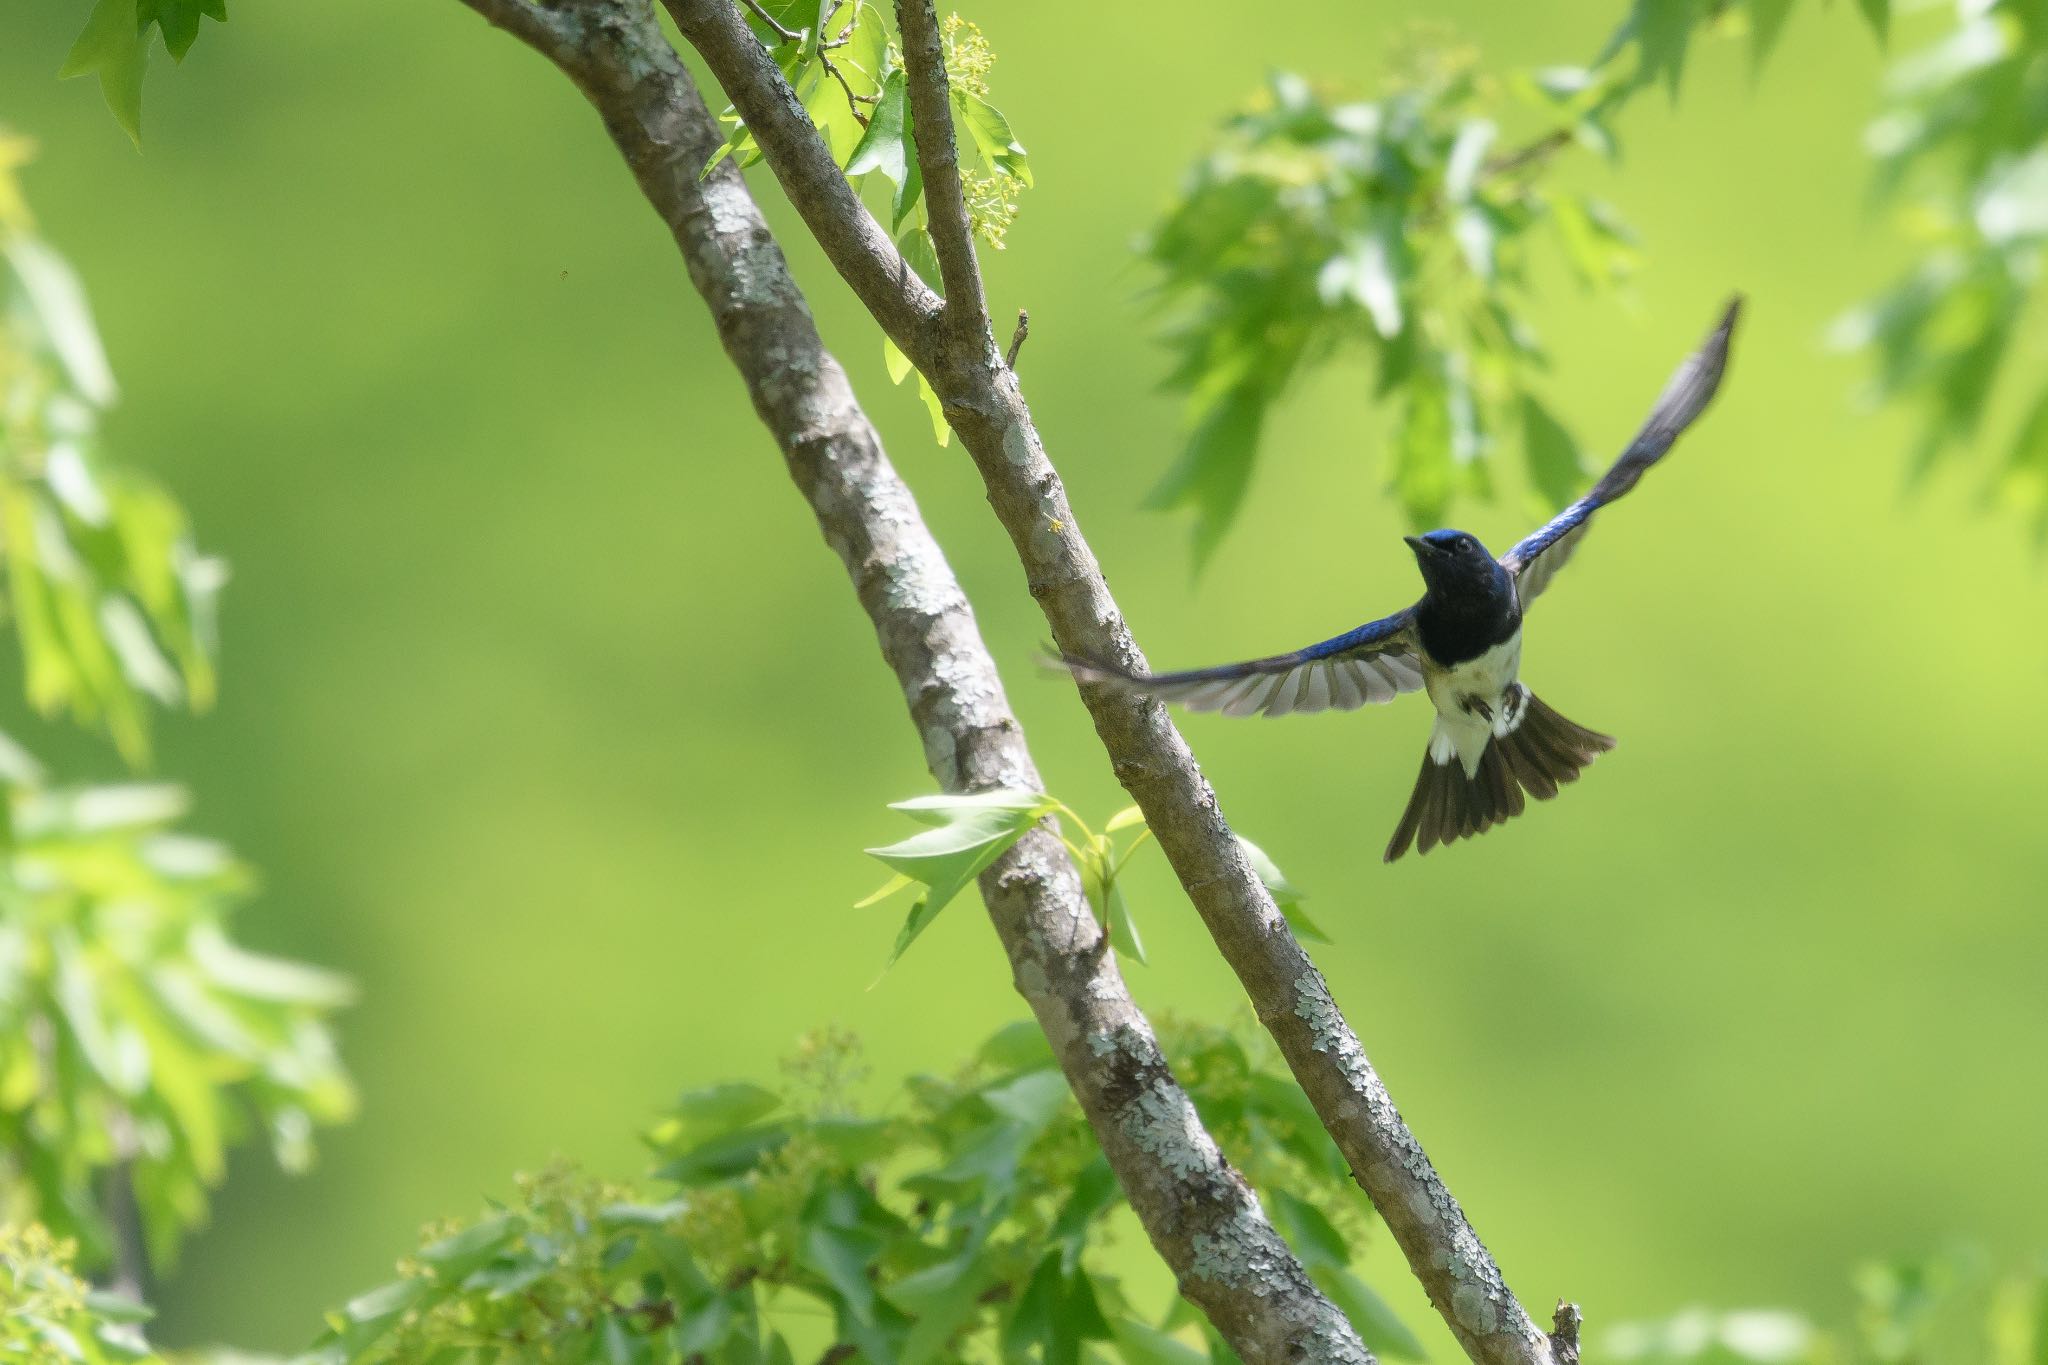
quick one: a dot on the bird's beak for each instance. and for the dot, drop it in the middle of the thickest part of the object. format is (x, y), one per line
(1419, 545)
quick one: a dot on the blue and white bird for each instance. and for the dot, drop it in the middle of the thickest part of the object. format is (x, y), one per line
(1462, 643)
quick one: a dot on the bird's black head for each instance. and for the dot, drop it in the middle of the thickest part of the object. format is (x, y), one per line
(1453, 562)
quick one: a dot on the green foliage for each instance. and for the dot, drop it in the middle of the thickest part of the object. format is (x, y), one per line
(968, 834)
(844, 63)
(1393, 225)
(964, 1220)
(1961, 149)
(137, 1041)
(115, 47)
(134, 1033)
(112, 604)
(1948, 1310)
(49, 1316)
(1653, 40)
(971, 832)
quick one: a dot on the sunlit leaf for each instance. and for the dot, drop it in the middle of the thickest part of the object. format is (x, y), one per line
(56, 301)
(179, 20)
(969, 833)
(990, 133)
(114, 47)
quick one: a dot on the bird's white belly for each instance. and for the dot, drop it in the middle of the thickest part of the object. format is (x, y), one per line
(1468, 698)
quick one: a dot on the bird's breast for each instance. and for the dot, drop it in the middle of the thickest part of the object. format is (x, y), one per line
(1476, 686)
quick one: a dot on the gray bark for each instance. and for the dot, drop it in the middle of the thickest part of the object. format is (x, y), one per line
(1198, 1212)
(983, 403)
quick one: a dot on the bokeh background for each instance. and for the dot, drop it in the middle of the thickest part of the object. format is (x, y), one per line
(548, 718)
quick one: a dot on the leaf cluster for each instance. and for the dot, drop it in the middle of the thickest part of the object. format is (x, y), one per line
(962, 1222)
(134, 1032)
(1394, 226)
(115, 47)
(49, 1316)
(137, 1040)
(843, 60)
(1961, 152)
(111, 601)
(969, 832)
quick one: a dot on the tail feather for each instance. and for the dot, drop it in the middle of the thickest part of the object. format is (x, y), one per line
(1538, 756)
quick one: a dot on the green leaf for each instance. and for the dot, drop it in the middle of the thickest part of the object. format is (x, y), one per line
(1303, 927)
(1019, 1046)
(991, 135)
(1553, 456)
(1142, 1345)
(942, 1299)
(1304, 1226)
(798, 16)
(1367, 272)
(970, 833)
(1467, 157)
(1878, 14)
(114, 46)
(888, 888)
(1124, 819)
(920, 255)
(453, 1257)
(1663, 31)
(1031, 1101)
(57, 302)
(1376, 1323)
(369, 1316)
(1093, 1193)
(842, 1257)
(887, 147)
(1215, 470)
(867, 49)
(722, 1158)
(720, 1109)
(1123, 930)
(1283, 892)
(942, 431)
(179, 20)
(1766, 24)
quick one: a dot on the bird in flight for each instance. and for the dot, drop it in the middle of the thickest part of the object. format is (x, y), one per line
(1462, 643)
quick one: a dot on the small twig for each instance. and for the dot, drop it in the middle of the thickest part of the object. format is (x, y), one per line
(1564, 1333)
(853, 101)
(788, 35)
(130, 1275)
(965, 315)
(1017, 338)
(1542, 149)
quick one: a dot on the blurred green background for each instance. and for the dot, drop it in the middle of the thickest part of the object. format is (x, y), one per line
(550, 720)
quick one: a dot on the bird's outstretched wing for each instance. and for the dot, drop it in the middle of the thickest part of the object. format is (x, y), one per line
(1536, 559)
(1376, 662)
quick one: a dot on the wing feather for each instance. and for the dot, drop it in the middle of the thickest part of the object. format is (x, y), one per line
(1535, 560)
(1374, 663)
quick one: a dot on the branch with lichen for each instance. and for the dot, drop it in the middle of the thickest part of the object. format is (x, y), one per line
(958, 355)
(1198, 1212)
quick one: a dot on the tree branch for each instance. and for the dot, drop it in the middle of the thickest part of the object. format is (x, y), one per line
(982, 402)
(966, 319)
(858, 247)
(1199, 1213)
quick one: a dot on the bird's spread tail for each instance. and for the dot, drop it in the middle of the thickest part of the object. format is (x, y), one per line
(1533, 749)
